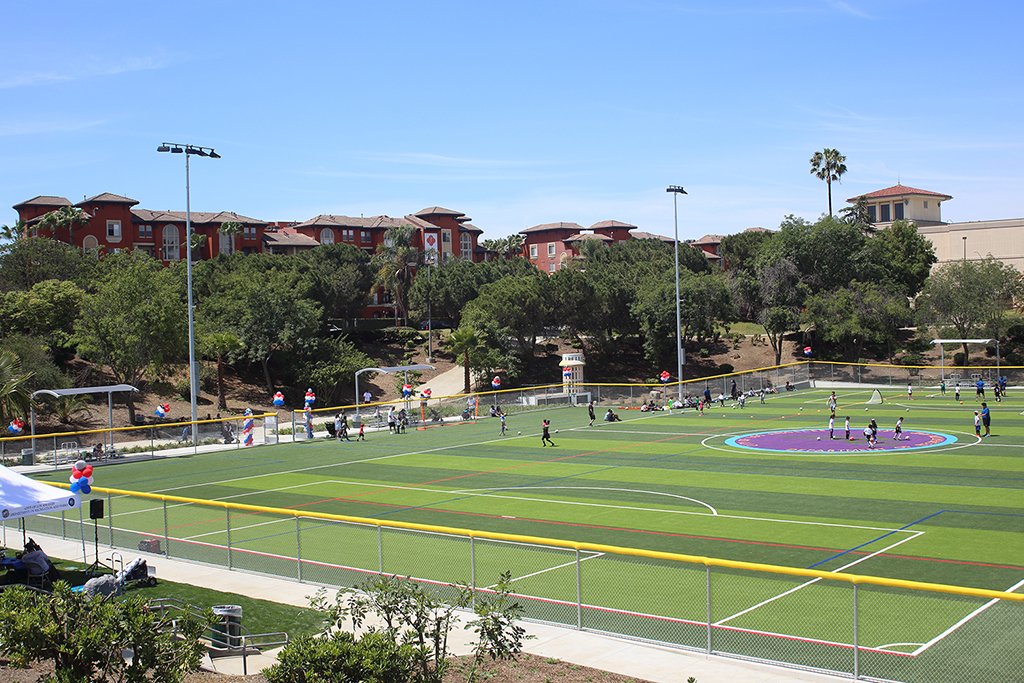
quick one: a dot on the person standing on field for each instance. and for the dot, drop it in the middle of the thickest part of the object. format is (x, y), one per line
(986, 419)
(545, 436)
(590, 412)
(847, 425)
(832, 426)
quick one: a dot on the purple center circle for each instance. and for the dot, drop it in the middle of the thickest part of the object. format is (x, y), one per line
(818, 441)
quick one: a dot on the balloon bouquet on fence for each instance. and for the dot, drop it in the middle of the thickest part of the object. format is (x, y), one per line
(16, 427)
(81, 477)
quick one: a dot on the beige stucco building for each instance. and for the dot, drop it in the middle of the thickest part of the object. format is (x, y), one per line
(1002, 239)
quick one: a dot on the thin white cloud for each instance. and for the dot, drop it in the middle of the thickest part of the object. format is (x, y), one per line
(81, 71)
(847, 8)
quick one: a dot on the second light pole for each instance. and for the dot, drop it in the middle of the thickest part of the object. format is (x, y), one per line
(193, 372)
(676, 190)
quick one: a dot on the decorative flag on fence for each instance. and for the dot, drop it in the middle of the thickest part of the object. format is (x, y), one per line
(496, 382)
(279, 399)
(162, 409)
(406, 390)
(664, 376)
(807, 351)
(310, 397)
(17, 426)
(81, 477)
(247, 425)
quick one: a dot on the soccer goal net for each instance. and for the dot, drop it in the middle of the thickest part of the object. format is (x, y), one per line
(876, 398)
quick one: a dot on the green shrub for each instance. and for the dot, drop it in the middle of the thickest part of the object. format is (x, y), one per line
(726, 369)
(704, 353)
(374, 658)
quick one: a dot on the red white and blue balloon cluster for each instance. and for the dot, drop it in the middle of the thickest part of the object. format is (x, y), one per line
(567, 374)
(81, 477)
(808, 352)
(406, 390)
(162, 409)
(427, 393)
(664, 376)
(496, 383)
(279, 399)
(247, 425)
(310, 398)
(17, 426)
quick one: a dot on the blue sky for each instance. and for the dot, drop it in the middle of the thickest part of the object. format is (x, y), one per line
(515, 113)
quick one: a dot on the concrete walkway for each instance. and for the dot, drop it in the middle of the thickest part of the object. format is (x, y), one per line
(619, 655)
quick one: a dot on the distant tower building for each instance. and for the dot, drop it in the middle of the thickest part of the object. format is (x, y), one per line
(572, 372)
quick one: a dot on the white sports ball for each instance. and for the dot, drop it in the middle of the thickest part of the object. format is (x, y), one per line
(519, 433)
(819, 438)
(865, 410)
(556, 431)
(801, 408)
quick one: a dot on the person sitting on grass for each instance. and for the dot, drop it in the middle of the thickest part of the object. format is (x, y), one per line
(610, 416)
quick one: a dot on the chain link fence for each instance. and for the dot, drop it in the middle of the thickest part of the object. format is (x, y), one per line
(866, 628)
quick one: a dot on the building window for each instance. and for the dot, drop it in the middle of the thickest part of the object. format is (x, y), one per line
(326, 236)
(145, 232)
(886, 217)
(552, 267)
(113, 231)
(365, 237)
(466, 245)
(926, 203)
(446, 237)
(90, 245)
(533, 251)
(897, 211)
(551, 248)
(248, 233)
(348, 235)
(172, 245)
(872, 213)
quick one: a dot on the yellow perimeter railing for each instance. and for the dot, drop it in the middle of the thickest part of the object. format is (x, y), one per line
(841, 577)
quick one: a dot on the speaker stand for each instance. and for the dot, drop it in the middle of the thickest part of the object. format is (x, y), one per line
(97, 568)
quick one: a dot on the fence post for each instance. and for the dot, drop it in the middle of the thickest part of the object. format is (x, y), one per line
(708, 601)
(110, 520)
(298, 549)
(579, 593)
(856, 639)
(380, 549)
(167, 537)
(472, 569)
(227, 516)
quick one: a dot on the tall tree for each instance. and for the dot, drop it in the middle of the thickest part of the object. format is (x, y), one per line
(230, 228)
(465, 342)
(65, 218)
(828, 165)
(131, 321)
(10, 233)
(395, 261)
(339, 276)
(739, 252)
(15, 397)
(31, 260)
(971, 297)
(219, 346)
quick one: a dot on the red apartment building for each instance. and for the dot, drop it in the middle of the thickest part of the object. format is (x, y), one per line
(549, 245)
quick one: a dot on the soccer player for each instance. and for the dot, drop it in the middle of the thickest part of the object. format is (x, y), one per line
(942, 387)
(832, 403)
(874, 429)
(590, 412)
(847, 425)
(899, 428)
(977, 424)
(868, 437)
(832, 426)
(986, 418)
(910, 392)
(362, 432)
(503, 425)
(956, 392)
(979, 389)
(545, 436)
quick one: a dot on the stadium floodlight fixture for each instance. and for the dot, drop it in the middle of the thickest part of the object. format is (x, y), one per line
(193, 371)
(677, 190)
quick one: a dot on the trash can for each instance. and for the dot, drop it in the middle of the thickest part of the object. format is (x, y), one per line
(356, 421)
(28, 457)
(226, 631)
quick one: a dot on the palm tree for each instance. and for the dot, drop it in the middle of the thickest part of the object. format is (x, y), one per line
(464, 341)
(66, 217)
(15, 398)
(231, 228)
(10, 233)
(828, 165)
(218, 346)
(394, 262)
(70, 410)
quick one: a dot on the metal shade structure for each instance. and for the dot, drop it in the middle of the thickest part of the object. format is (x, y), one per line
(941, 343)
(390, 370)
(109, 390)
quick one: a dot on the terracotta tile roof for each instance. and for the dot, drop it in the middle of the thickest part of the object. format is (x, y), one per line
(417, 222)
(708, 239)
(758, 229)
(43, 200)
(326, 220)
(463, 219)
(898, 191)
(469, 227)
(288, 237)
(575, 227)
(437, 211)
(580, 236)
(108, 198)
(198, 217)
(612, 224)
(650, 236)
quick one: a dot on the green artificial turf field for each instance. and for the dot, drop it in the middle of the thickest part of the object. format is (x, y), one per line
(949, 513)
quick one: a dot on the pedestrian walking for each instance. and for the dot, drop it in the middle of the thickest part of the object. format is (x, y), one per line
(986, 419)
(545, 436)
(590, 412)
(392, 420)
(362, 432)
(343, 430)
(503, 425)
(337, 426)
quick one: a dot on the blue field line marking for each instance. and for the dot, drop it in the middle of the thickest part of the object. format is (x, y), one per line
(508, 488)
(994, 514)
(885, 535)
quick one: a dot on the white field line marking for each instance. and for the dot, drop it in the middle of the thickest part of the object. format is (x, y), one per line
(597, 488)
(638, 431)
(889, 645)
(963, 621)
(549, 569)
(808, 583)
(849, 454)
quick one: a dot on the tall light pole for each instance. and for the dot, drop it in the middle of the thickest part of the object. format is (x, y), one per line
(965, 247)
(193, 373)
(676, 190)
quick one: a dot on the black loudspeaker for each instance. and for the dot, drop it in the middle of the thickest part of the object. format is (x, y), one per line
(96, 508)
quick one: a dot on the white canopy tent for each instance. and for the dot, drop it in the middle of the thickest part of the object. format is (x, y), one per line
(22, 496)
(941, 343)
